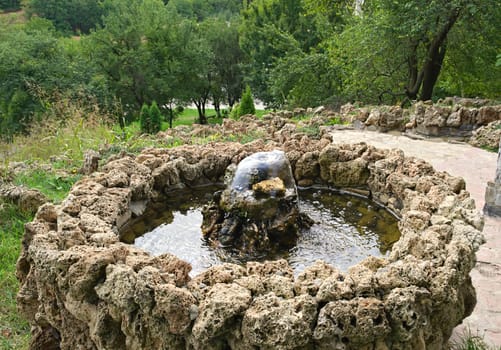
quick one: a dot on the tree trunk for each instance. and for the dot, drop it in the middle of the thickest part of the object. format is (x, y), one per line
(427, 77)
(415, 77)
(431, 72)
(171, 117)
(202, 119)
(217, 108)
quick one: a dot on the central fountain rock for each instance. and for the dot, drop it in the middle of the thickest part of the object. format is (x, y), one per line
(259, 209)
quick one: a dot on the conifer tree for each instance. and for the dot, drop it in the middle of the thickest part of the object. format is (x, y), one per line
(247, 103)
(144, 119)
(155, 118)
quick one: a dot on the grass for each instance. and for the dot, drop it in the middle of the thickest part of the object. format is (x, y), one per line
(189, 116)
(311, 131)
(470, 341)
(53, 185)
(14, 330)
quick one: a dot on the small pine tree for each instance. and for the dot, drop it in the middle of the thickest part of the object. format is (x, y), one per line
(234, 111)
(155, 118)
(247, 103)
(144, 119)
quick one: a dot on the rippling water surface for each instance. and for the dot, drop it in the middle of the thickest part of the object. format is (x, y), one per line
(347, 229)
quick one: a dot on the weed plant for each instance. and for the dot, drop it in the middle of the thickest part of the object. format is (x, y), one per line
(471, 341)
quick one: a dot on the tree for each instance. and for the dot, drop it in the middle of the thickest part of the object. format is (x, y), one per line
(10, 5)
(144, 119)
(247, 103)
(68, 15)
(227, 76)
(270, 31)
(33, 65)
(150, 118)
(395, 50)
(304, 80)
(195, 72)
(469, 67)
(155, 118)
(200, 10)
(131, 50)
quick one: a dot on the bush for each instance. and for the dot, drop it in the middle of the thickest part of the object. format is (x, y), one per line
(155, 118)
(150, 118)
(144, 119)
(10, 5)
(247, 103)
(234, 113)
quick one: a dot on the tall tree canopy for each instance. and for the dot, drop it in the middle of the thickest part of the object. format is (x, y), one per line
(272, 30)
(68, 15)
(291, 52)
(397, 49)
(10, 5)
(32, 63)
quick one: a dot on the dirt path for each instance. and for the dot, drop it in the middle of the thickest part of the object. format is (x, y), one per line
(477, 167)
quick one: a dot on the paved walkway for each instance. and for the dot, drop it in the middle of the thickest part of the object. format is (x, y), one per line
(477, 167)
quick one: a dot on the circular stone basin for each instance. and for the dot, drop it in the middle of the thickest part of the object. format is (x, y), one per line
(346, 230)
(82, 286)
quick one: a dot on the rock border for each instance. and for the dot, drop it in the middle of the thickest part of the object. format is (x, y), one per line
(81, 288)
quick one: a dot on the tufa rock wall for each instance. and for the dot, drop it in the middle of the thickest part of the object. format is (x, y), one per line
(82, 288)
(425, 118)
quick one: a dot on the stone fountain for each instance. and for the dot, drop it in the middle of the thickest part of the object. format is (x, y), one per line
(83, 287)
(259, 207)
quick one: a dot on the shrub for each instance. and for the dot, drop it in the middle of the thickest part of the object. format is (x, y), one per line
(144, 119)
(247, 103)
(155, 118)
(150, 118)
(234, 113)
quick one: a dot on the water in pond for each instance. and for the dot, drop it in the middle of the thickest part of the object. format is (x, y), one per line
(347, 229)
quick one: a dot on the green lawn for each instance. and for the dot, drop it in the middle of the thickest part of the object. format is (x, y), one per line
(189, 116)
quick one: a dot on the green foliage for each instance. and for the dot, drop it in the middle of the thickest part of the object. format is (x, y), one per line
(155, 117)
(226, 75)
(335, 121)
(10, 5)
(234, 111)
(471, 66)
(423, 40)
(150, 118)
(30, 60)
(311, 131)
(144, 119)
(293, 53)
(247, 103)
(15, 330)
(270, 31)
(470, 341)
(54, 186)
(203, 9)
(78, 16)
(304, 80)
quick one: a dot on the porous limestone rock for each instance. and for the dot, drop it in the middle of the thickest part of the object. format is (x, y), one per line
(487, 136)
(81, 287)
(452, 117)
